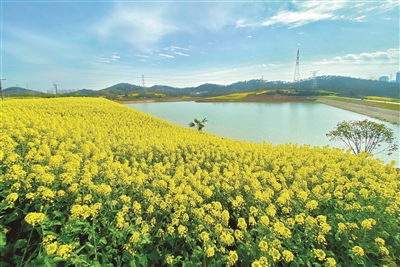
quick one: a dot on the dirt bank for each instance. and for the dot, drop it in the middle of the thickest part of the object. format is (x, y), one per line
(392, 116)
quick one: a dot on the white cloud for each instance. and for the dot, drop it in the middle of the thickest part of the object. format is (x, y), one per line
(172, 48)
(135, 24)
(304, 12)
(360, 19)
(180, 54)
(142, 56)
(115, 57)
(389, 56)
(249, 37)
(382, 6)
(307, 12)
(165, 55)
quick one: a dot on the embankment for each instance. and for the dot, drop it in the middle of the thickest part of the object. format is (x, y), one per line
(392, 116)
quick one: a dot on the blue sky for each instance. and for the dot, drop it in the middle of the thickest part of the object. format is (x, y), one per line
(96, 44)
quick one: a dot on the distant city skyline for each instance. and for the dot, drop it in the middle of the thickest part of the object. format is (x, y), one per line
(94, 45)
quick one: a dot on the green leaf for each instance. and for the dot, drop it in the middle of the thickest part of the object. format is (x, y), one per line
(47, 262)
(153, 256)
(96, 264)
(58, 259)
(54, 222)
(103, 241)
(3, 239)
(15, 215)
(4, 264)
(143, 260)
(20, 243)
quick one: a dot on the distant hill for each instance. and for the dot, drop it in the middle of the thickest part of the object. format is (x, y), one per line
(20, 91)
(354, 87)
(343, 86)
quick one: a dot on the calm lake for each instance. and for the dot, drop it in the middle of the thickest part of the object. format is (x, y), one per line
(276, 123)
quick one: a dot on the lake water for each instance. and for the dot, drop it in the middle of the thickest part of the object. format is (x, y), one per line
(276, 123)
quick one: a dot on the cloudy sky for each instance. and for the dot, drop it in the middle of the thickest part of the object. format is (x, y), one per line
(95, 44)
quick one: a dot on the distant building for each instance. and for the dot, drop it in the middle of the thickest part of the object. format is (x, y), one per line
(383, 79)
(398, 77)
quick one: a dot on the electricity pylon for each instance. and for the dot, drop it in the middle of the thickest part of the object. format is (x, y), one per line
(296, 78)
(314, 79)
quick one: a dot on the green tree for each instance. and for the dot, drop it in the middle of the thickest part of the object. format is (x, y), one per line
(364, 136)
(198, 124)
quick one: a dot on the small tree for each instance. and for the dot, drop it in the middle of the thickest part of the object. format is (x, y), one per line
(364, 136)
(198, 124)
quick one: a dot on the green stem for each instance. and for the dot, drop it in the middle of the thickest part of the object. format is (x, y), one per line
(94, 241)
(26, 249)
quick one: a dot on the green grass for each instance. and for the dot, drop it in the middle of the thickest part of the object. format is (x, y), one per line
(236, 96)
(386, 99)
(266, 92)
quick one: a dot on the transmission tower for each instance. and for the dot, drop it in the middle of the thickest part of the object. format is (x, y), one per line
(314, 79)
(1, 89)
(143, 84)
(56, 87)
(296, 78)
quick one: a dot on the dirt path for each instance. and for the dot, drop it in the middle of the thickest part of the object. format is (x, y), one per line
(392, 116)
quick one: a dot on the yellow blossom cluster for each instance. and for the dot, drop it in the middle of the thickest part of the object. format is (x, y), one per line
(85, 166)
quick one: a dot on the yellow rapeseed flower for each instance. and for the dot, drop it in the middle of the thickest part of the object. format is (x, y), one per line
(263, 245)
(368, 223)
(204, 236)
(64, 251)
(358, 251)
(287, 256)
(135, 238)
(319, 254)
(242, 224)
(238, 234)
(264, 220)
(209, 251)
(232, 258)
(169, 259)
(227, 239)
(330, 262)
(11, 198)
(51, 248)
(383, 251)
(379, 241)
(34, 218)
(275, 254)
(312, 205)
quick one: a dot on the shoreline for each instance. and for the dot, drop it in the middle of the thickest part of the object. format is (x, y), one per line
(388, 115)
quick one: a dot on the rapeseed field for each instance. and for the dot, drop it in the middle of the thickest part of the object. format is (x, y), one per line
(89, 182)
